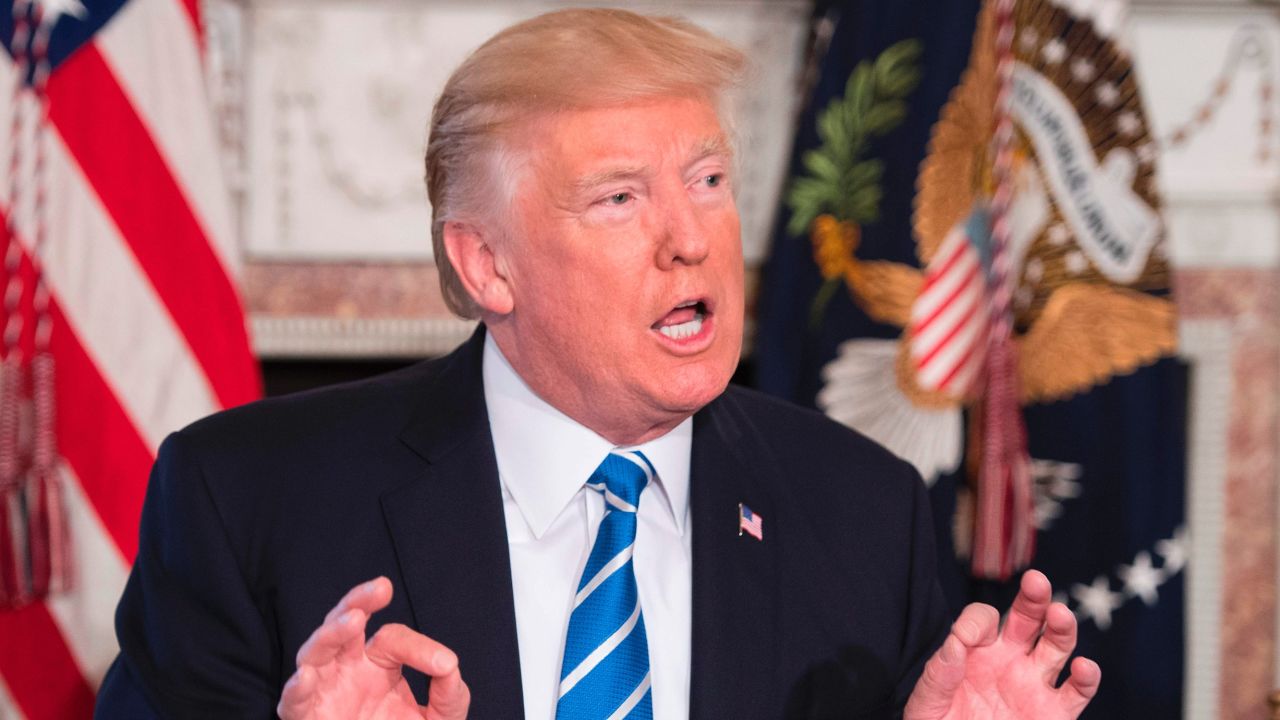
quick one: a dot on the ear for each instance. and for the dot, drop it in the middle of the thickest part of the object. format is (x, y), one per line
(478, 267)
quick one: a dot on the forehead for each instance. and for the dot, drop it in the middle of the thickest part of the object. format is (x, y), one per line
(645, 133)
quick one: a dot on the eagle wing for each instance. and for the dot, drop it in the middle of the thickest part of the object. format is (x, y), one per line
(1089, 333)
(884, 290)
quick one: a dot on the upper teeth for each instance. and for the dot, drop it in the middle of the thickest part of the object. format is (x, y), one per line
(683, 330)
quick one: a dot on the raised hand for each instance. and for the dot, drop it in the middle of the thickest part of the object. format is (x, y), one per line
(984, 672)
(340, 676)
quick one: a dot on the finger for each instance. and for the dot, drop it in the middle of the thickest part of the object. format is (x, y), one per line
(978, 625)
(342, 633)
(369, 596)
(395, 645)
(1026, 615)
(1056, 644)
(942, 676)
(298, 695)
(1081, 686)
(449, 699)
(341, 637)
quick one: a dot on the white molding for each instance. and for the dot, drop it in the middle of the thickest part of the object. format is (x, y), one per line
(1203, 7)
(1222, 203)
(296, 337)
(1207, 345)
(1223, 227)
(332, 149)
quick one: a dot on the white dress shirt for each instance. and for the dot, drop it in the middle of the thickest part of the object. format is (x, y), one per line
(544, 461)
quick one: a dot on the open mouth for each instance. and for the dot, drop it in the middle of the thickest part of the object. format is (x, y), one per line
(684, 321)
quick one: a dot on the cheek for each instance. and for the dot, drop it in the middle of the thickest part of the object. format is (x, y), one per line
(589, 310)
(727, 229)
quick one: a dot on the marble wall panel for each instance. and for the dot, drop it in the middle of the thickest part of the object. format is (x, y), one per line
(1247, 302)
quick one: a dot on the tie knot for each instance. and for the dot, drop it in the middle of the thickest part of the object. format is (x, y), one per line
(621, 477)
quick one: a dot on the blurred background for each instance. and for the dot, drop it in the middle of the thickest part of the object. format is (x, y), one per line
(207, 201)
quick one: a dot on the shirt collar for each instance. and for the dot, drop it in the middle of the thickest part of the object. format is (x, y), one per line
(544, 456)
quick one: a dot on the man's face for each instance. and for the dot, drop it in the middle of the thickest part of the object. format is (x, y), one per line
(625, 265)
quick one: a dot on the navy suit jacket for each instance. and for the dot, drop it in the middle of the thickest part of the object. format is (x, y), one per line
(257, 520)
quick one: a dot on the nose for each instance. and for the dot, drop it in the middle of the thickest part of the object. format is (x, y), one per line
(685, 240)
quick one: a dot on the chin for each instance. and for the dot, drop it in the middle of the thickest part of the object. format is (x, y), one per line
(694, 387)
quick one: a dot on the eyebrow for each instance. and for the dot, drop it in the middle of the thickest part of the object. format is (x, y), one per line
(606, 177)
(710, 147)
(707, 147)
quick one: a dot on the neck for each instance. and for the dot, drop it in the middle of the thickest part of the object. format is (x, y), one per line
(621, 428)
(637, 435)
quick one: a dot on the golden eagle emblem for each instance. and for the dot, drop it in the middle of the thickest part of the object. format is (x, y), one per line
(1086, 241)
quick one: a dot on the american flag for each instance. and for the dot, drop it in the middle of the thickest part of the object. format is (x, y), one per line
(108, 139)
(949, 320)
(750, 523)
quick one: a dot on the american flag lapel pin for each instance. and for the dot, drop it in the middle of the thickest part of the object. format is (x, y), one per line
(750, 523)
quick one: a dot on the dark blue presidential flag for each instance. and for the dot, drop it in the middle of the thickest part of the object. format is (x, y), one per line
(876, 303)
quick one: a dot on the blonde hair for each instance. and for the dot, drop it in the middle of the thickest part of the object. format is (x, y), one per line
(564, 60)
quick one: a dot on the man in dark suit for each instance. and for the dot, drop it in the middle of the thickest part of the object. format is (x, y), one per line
(575, 514)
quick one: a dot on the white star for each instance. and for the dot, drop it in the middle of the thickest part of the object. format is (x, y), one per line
(1067, 471)
(53, 10)
(1028, 39)
(1046, 511)
(1023, 297)
(1035, 270)
(1054, 482)
(1065, 486)
(1107, 94)
(1174, 552)
(1054, 52)
(1128, 123)
(1082, 70)
(1147, 152)
(1142, 579)
(1048, 508)
(1097, 601)
(1076, 264)
(1059, 234)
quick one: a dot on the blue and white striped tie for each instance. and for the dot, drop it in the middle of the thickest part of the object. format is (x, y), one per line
(605, 673)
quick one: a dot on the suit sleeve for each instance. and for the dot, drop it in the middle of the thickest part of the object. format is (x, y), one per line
(928, 613)
(193, 641)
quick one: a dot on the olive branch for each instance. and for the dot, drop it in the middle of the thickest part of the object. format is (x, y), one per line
(840, 180)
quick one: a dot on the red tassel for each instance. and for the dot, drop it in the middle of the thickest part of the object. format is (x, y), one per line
(13, 587)
(47, 534)
(48, 537)
(34, 542)
(1004, 531)
(13, 530)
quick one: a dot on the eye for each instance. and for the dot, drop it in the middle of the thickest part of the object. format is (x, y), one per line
(621, 198)
(713, 181)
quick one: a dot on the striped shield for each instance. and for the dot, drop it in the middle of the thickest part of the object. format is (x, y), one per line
(951, 316)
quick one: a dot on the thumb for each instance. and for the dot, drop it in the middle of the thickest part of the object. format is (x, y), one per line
(938, 683)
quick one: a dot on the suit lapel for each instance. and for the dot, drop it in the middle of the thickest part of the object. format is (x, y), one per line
(735, 623)
(449, 533)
